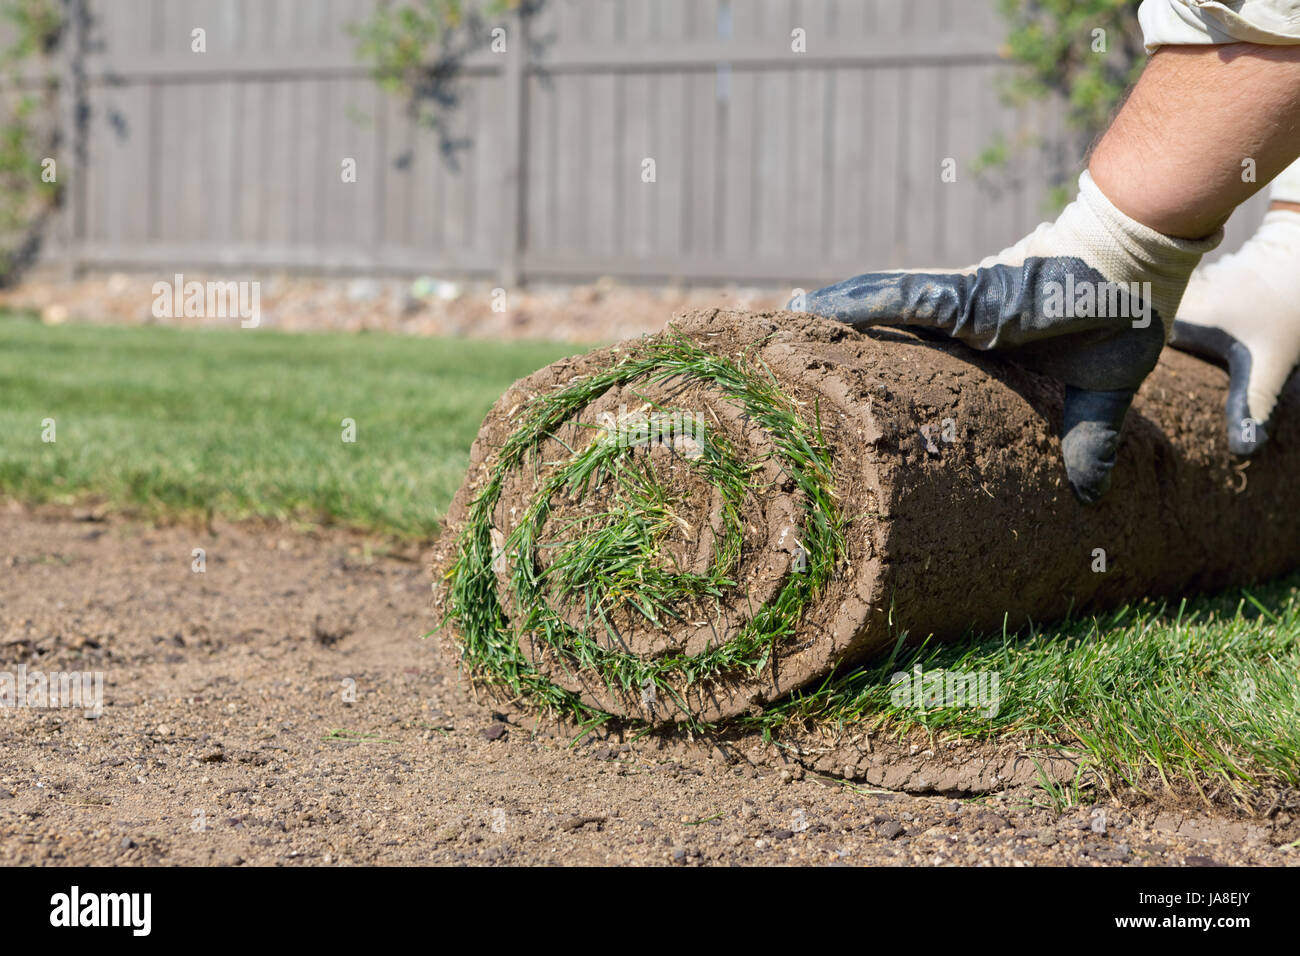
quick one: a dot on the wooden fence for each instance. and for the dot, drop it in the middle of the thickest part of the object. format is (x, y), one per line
(761, 141)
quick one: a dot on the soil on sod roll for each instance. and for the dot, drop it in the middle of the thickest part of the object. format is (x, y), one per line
(692, 525)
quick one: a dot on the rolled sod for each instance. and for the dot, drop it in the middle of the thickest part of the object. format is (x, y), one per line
(692, 525)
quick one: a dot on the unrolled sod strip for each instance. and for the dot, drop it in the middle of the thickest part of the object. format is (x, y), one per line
(693, 525)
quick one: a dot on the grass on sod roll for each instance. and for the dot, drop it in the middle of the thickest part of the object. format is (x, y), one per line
(247, 422)
(490, 639)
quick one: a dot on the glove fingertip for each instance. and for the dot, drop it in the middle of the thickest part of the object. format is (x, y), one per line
(1246, 437)
(1090, 439)
(1246, 434)
(1089, 455)
(832, 303)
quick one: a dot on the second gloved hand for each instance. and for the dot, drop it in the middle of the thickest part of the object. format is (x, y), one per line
(1088, 299)
(1244, 310)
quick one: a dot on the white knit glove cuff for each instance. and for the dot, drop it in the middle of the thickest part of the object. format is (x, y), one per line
(1125, 251)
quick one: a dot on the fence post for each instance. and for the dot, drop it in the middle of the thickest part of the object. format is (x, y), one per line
(514, 181)
(71, 146)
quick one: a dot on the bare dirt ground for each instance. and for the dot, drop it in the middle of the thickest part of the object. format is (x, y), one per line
(229, 736)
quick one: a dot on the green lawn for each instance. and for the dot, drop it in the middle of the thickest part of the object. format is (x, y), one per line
(248, 422)
(1202, 692)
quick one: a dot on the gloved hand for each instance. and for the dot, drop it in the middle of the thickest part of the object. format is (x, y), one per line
(1245, 310)
(1087, 299)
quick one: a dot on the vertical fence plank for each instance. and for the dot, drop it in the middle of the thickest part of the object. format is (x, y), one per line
(810, 141)
(638, 144)
(398, 160)
(738, 166)
(604, 178)
(512, 93)
(847, 183)
(572, 158)
(539, 186)
(69, 163)
(926, 111)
